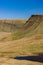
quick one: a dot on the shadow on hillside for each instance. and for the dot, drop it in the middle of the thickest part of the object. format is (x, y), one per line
(36, 58)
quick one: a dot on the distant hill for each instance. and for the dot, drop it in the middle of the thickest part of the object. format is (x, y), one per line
(11, 25)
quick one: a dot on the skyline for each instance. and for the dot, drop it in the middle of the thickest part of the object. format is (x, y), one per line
(20, 9)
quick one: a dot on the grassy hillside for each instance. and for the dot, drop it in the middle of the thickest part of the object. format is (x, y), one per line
(31, 31)
(25, 45)
(31, 27)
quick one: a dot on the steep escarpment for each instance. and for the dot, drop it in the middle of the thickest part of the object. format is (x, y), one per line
(33, 20)
(34, 24)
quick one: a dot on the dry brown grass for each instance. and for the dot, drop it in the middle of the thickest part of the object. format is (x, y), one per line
(30, 44)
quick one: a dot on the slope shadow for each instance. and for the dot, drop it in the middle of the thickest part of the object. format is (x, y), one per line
(37, 58)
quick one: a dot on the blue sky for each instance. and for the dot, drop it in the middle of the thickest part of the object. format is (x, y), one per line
(20, 9)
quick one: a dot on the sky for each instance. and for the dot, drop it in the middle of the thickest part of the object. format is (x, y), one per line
(20, 9)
